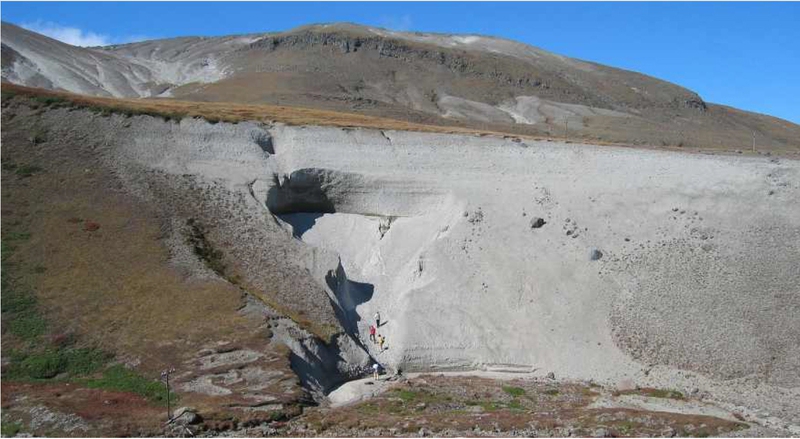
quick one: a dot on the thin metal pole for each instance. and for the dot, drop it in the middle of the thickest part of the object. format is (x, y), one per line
(566, 129)
(169, 415)
(754, 141)
(165, 377)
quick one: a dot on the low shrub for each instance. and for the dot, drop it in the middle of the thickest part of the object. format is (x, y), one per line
(514, 391)
(27, 170)
(120, 379)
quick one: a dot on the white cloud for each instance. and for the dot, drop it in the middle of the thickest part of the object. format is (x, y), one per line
(76, 36)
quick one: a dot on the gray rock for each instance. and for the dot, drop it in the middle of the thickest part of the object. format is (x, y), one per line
(595, 254)
(626, 384)
(551, 376)
(187, 416)
(668, 432)
(600, 432)
(537, 222)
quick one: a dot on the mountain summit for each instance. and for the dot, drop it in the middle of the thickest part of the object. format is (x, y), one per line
(468, 80)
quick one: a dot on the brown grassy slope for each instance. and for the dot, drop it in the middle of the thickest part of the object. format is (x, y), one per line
(235, 112)
(303, 301)
(227, 112)
(104, 413)
(94, 258)
(719, 128)
(112, 284)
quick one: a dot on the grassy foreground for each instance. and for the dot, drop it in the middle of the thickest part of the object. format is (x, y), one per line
(447, 406)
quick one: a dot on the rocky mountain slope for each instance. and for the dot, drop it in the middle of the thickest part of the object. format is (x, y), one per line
(477, 81)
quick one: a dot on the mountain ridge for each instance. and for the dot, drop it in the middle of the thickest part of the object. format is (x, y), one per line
(485, 82)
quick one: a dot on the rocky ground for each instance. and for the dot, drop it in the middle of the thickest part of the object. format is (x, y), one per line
(452, 406)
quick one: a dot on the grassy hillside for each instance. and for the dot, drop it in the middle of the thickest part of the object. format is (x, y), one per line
(92, 309)
(171, 109)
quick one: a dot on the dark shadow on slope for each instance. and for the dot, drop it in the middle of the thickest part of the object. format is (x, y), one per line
(304, 190)
(319, 370)
(348, 295)
(301, 222)
(263, 140)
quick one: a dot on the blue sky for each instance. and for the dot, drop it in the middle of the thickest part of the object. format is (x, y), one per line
(746, 55)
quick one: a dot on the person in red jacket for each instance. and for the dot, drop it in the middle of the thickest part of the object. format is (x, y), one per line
(372, 334)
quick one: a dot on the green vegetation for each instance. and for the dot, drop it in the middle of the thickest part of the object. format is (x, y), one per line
(515, 405)
(51, 101)
(551, 392)
(39, 358)
(664, 393)
(625, 427)
(369, 408)
(406, 395)
(27, 325)
(120, 379)
(10, 429)
(514, 391)
(73, 364)
(26, 170)
(20, 313)
(18, 236)
(52, 362)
